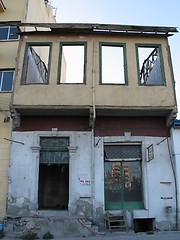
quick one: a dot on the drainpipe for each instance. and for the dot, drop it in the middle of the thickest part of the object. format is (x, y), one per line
(175, 182)
(92, 122)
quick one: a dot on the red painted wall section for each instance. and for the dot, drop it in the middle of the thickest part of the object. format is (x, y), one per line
(138, 126)
(104, 126)
(45, 123)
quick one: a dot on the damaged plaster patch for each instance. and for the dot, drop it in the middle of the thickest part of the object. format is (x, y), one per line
(18, 206)
(165, 226)
(100, 218)
(84, 209)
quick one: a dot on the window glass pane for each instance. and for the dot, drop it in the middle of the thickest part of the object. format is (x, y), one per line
(3, 33)
(112, 65)
(132, 181)
(72, 64)
(150, 70)
(37, 64)
(12, 35)
(7, 81)
(52, 158)
(113, 184)
(48, 142)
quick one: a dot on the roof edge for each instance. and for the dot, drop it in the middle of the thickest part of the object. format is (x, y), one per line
(96, 27)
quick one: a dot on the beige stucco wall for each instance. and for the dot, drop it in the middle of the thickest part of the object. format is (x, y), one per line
(8, 53)
(38, 11)
(110, 96)
(25, 11)
(5, 132)
(15, 10)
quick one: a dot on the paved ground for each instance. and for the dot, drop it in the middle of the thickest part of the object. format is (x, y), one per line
(134, 236)
(127, 236)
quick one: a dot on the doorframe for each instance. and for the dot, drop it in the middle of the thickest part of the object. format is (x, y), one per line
(36, 157)
(128, 139)
(123, 204)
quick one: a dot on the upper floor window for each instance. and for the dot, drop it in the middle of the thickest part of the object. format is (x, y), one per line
(113, 67)
(9, 33)
(72, 62)
(6, 80)
(150, 64)
(36, 63)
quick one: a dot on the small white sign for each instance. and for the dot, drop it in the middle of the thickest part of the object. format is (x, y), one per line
(85, 182)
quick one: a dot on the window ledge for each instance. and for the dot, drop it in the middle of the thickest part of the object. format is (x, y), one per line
(5, 92)
(152, 85)
(9, 40)
(71, 84)
(114, 84)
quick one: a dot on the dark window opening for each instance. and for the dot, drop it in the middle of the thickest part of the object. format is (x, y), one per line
(54, 173)
(6, 80)
(36, 64)
(143, 225)
(150, 65)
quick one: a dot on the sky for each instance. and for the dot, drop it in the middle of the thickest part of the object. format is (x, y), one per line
(129, 12)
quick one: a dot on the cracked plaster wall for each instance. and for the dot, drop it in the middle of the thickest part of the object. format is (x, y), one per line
(83, 199)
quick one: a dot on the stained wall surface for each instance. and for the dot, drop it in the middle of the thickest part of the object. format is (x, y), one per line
(86, 165)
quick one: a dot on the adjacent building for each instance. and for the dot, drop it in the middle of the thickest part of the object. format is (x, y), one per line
(92, 109)
(13, 11)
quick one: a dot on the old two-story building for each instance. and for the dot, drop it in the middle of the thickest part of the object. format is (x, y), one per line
(13, 11)
(92, 108)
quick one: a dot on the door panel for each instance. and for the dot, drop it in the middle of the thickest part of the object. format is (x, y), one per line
(123, 178)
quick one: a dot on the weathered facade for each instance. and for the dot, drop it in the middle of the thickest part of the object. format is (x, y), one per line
(92, 108)
(21, 11)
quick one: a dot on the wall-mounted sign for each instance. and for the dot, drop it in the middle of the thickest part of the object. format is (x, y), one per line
(85, 182)
(150, 152)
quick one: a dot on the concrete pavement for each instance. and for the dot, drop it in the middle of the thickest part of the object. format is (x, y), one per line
(126, 236)
(133, 236)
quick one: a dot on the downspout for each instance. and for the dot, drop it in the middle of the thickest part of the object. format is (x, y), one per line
(92, 121)
(175, 183)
